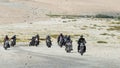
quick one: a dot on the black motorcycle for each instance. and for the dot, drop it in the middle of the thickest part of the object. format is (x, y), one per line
(68, 48)
(48, 43)
(6, 45)
(13, 42)
(81, 48)
(32, 42)
(36, 42)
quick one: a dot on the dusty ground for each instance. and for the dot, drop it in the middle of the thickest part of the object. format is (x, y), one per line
(42, 57)
(19, 11)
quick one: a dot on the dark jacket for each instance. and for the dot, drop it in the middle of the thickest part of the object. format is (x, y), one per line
(81, 40)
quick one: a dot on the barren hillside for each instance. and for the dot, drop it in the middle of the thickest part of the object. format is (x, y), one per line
(34, 10)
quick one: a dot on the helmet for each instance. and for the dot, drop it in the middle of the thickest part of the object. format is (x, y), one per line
(81, 36)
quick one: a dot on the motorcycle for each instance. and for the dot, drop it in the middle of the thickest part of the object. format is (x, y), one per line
(32, 43)
(6, 45)
(36, 42)
(82, 48)
(48, 43)
(13, 42)
(68, 48)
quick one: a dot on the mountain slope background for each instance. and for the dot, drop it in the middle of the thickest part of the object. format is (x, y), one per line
(34, 10)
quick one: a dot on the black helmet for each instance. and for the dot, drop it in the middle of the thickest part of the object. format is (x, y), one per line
(81, 36)
(61, 34)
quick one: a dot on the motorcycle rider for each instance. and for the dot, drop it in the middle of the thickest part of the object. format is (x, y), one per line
(60, 36)
(65, 39)
(69, 43)
(6, 41)
(60, 40)
(83, 41)
(37, 38)
(13, 40)
(48, 41)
